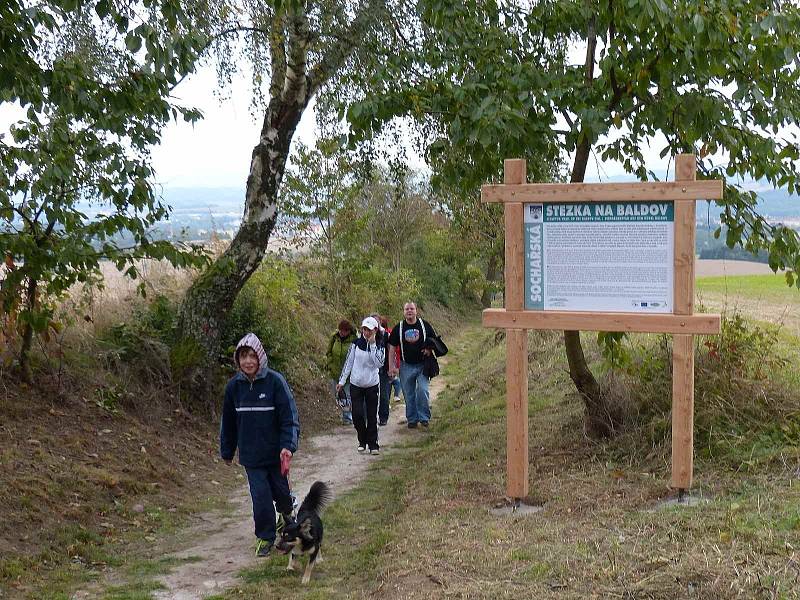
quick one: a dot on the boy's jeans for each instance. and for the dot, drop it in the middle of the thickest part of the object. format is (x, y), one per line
(415, 389)
(267, 485)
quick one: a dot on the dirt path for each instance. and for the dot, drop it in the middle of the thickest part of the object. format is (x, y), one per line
(223, 547)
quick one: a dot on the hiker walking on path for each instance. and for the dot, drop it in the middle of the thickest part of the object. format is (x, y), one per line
(387, 381)
(338, 347)
(259, 417)
(364, 360)
(411, 335)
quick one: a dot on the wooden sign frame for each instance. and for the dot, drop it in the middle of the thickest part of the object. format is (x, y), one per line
(682, 323)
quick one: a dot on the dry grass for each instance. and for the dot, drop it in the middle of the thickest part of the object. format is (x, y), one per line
(98, 308)
(95, 460)
(80, 485)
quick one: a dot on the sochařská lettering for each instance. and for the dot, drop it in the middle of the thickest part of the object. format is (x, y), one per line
(535, 263)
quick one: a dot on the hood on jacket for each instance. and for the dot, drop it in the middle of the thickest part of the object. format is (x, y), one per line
(251, 340)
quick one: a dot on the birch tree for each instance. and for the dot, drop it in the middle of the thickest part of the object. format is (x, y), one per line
(295, 50)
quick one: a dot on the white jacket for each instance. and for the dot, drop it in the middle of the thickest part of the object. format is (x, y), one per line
(363, 363)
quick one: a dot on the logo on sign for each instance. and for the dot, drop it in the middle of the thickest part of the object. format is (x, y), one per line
(535, 212)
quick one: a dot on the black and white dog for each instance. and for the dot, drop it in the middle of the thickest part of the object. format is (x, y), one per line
(304, 534)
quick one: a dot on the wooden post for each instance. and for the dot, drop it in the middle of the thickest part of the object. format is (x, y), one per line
(683, 345)
(516, 341)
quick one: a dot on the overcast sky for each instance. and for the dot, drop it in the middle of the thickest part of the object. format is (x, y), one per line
(215, 152)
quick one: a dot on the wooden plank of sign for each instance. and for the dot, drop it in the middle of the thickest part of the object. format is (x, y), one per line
(706, 324)
(683, 345)
(517, 412)
(516, 341)
(683, 262)
(652, 191)
(515, 240)
(682, 411)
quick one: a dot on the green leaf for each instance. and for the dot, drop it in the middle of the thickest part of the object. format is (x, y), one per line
(699, 23)
(102, 8)
(133, 42)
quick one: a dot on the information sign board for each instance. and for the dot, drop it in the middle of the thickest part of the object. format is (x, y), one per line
(601, 257)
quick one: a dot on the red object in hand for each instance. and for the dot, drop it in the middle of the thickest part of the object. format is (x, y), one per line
(286, 459)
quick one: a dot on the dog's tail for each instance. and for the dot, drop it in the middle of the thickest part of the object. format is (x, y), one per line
(317, 498)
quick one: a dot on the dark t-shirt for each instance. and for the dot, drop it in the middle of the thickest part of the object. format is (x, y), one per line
(412, 340)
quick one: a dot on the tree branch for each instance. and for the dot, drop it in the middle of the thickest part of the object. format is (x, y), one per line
(215, 38)
(336, 55)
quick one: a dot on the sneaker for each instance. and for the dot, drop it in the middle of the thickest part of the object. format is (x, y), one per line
(423, 423)
(412, 425)
(263, 548)
(382, 423)
(361, 449)
(374, 451)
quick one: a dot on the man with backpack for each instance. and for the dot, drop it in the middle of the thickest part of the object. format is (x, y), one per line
(412, 337)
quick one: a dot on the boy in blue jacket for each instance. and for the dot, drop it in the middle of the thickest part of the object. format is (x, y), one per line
(259, 417)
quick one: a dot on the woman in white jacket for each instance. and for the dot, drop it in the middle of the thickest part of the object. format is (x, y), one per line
(362, 366)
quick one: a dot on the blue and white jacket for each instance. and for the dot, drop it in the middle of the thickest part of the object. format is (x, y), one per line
(363, 363)
(259, 417)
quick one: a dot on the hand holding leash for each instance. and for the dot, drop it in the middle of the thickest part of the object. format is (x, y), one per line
(286, 459)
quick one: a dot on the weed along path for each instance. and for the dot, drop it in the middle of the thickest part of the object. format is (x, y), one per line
(221, 546)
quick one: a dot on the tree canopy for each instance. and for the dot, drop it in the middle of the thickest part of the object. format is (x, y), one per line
(93, 81)
(485, 80)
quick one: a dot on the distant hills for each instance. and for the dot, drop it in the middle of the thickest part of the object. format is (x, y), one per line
(229, 201)
(214, 201)
(778, 204)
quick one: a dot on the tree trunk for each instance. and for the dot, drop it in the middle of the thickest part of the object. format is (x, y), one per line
(491, 277)
(209, 300)
(599, 419)
(26, 374)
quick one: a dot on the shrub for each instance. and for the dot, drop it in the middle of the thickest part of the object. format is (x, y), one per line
(269, 306)
(742, 399)
(441, 265)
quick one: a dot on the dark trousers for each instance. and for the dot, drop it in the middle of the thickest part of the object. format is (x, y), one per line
(365, 414)
(267, 485)
(386, 389)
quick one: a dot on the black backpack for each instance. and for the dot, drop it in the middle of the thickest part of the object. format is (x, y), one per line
(430, 366)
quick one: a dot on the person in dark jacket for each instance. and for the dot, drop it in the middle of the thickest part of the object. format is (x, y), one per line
(338, 347)
(259, 417)
(385, 379)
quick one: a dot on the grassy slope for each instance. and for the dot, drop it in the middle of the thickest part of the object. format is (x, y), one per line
(420, 526)
(83, 488)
